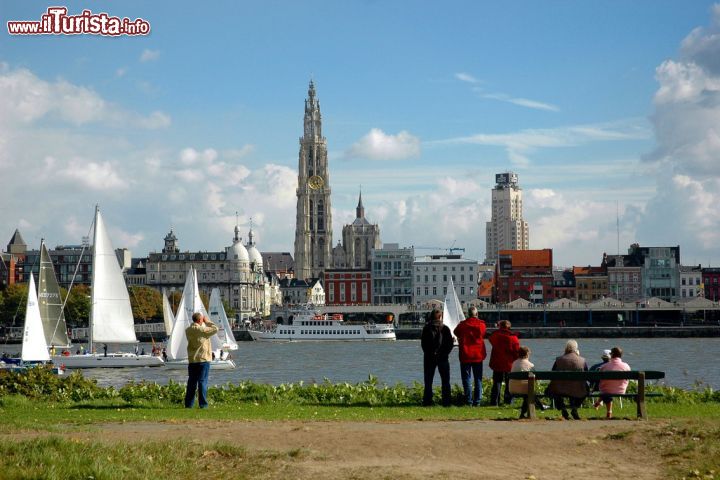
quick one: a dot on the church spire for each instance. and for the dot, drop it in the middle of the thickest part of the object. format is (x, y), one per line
(360, 210)
(236, 238)
(313, 121)
(250, 235)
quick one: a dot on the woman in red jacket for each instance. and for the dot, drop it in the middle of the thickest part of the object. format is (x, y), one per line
(505, 347)
(471, 340)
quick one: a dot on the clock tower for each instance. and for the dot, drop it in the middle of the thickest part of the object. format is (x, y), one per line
(313, 223)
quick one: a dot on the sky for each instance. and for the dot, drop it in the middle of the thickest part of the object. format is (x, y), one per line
(608, 111)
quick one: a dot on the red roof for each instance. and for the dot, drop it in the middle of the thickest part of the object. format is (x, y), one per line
(530, 258)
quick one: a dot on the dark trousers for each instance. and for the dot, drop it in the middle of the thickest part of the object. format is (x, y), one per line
(574, 402)
(474, 371)
(498, 379)
(430, 363)
(524, 411)
(197, 381)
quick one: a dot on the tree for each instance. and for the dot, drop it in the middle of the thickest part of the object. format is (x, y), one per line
(12, 311)
(174, 299)
(229, 311)
(77, 306)
(146, 302)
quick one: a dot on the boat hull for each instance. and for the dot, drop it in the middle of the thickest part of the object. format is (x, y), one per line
(22, 367)
(112, 360)
(228, 364)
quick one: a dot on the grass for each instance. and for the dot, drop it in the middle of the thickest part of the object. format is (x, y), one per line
(56, 458)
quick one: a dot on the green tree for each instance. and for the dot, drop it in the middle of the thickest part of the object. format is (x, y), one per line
(12, 311)
(229, 311)
(77, 306)
(174, 299)
(146, 302)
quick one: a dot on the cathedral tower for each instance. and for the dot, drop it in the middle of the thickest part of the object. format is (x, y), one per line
(313, 224)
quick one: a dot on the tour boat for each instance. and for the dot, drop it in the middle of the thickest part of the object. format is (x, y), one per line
(307, 324)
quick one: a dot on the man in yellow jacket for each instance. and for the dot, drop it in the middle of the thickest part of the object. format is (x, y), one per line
(199, 356)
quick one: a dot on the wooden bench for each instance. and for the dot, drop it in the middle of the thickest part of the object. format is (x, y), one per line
(593, 376)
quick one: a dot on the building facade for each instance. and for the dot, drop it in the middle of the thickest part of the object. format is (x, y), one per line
(624, 277)
(313, 223)
(392, 275)
(348, 287)
(524, 273)
(358, 240)
(433, 273)
(660, 271)
(295, 291)
(591, 283)
(237, 271)
(711, 283)
(691, 282)
(563, 284)
(506, 229)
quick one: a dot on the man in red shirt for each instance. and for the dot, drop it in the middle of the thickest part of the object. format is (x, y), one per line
(471, 340)
(505, 347)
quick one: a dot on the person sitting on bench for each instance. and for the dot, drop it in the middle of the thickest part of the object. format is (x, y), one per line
(610, 387)
(520, 387)
(575, 390)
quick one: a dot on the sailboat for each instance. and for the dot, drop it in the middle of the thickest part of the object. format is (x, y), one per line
(111, 319)
(191, 303)
(452, 309)
(219, 317)
(50, 302)
(168, 317)
(34, 348)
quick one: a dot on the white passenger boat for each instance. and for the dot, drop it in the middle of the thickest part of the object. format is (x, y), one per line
(306, 324)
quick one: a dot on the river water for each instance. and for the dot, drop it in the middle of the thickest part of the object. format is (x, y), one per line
(687, 362)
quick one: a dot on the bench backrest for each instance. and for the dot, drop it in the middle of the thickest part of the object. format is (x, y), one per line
(592, 376)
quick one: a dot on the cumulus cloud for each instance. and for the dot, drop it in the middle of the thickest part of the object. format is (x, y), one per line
(148, 55)
(377, 145)
(93, 175)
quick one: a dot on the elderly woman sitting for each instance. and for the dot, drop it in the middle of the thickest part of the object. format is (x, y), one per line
(574, 390)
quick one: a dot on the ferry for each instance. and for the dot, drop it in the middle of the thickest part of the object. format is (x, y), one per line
(309, 325)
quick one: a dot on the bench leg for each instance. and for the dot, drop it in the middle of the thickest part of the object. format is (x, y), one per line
(641, 412)
(531, 397)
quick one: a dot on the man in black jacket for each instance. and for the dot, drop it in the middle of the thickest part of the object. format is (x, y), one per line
(437, 343)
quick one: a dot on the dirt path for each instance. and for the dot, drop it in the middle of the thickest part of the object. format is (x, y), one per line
(421, 449)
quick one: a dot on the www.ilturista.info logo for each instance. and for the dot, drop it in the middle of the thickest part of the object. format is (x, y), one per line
(57, 22)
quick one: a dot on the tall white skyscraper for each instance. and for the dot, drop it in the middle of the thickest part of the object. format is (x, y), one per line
(506, 230)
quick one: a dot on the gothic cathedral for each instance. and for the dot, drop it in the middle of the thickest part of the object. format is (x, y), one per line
(313, 225)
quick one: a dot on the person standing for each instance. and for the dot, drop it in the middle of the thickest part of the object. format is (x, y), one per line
(437, 343)
(471, 351)
(609, 387)
(199, 354)
(575, 390)
(505, 347)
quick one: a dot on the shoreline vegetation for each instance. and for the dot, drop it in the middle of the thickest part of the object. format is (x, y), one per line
(50, 427)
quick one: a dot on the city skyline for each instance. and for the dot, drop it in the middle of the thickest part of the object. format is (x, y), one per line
(591, 104)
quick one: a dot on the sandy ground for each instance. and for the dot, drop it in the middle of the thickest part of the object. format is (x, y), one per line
(544, 449)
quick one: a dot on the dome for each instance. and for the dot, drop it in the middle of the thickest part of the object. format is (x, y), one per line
(239, 253)
(255, 256)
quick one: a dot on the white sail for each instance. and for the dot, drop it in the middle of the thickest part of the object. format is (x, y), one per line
(452, 310)
(111, 317)
(168, 317)
(189, 304)
(34, 348)
(219, 317)
(51, 305)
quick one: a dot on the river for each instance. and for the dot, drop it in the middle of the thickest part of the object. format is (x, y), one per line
(687, 362)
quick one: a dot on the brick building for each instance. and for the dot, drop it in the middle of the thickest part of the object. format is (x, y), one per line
(348, 287)
(526, 274)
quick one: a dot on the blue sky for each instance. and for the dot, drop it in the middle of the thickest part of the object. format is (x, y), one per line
(422, 102)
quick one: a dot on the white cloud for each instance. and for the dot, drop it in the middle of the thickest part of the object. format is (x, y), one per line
(124, 239)
(190, 156)
(466, 77)
(120, 72)
(155, 121)
(93, 175)
(522, 102)
(238, 153)
(377, 145)
(148, 55)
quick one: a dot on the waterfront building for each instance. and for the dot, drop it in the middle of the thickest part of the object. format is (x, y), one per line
(691, 282)
(591, 283)
(660, 271)
(486, 289)
(624, 277)
(301, 292)
(506, 229)
(14, 259)
(358, 240)
(237, 271)
(711, 283)
(525, 274)
(433, 272)
(73, 264)
(313, 223)
(392, 275)
(136, 274)
(564, 284)
(348, 287)
(279, 263)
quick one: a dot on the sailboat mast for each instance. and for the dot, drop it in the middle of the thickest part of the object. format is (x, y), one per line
(92, 281)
